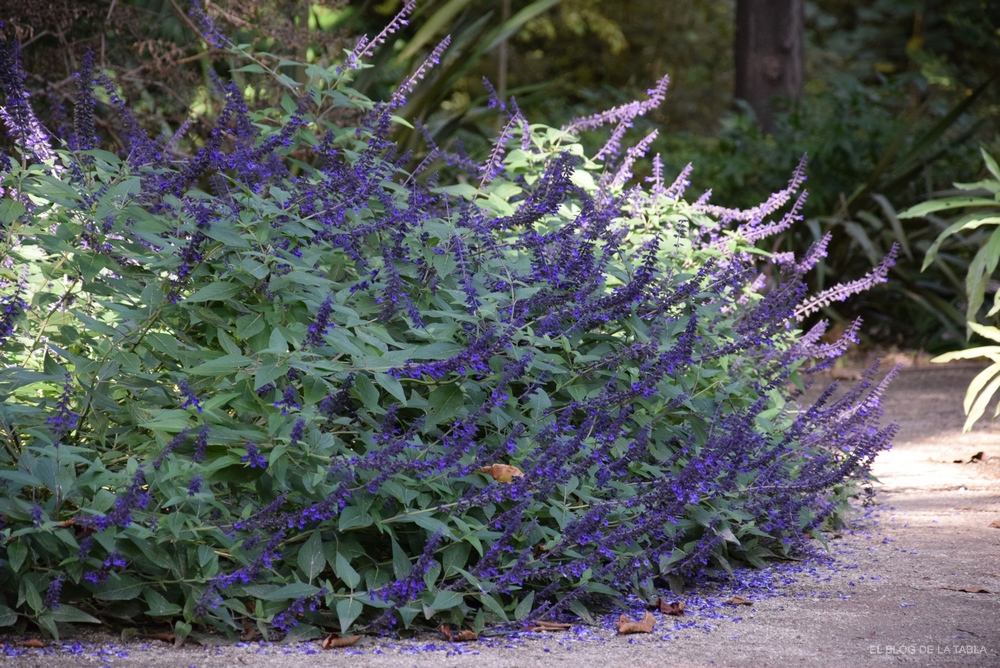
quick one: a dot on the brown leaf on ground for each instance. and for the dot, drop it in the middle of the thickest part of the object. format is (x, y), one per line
(249, 631)
(626, 625)
(501, 472)
(967, 590)
(672, 609)
(462, 636)
(739, 600)
(549, 626)
(334, 640)
(995, 525)
(163, 637)
(34, 643)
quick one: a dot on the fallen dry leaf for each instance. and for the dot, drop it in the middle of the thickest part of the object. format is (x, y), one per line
(164, 637)
(967, 590)
(672, 609)
(549, 626)
(249, 631)
(334, 640)
(739, 600)
(501, 472)
(34, 643)
(462, 636)
(995, 525)
(626, 625)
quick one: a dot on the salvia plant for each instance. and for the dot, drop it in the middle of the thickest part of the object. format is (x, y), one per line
(288, 381)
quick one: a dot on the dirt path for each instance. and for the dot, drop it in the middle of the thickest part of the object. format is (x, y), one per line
(890, 595)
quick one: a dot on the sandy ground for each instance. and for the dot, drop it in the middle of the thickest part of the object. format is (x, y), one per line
(889, 593)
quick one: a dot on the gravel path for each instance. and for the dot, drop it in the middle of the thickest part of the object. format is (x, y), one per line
(890, 591)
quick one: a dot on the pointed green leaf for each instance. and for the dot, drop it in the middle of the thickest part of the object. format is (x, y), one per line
(945, 204)
(221, 366)
(524, 607)
(310, 558)
(7, 616)
(979, 407)
(985, 331)
(348, 609)
(346, 572)
(977, 384)
(16, 553)
(119, 588)
(353, 517)
(214, 292)
(991, 163)
(67, 613)
(401, 565)
(446, 600)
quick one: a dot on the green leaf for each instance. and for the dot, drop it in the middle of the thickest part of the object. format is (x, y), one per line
(67, 613)
(10, 210)
(290, 592)
(524, 607)
(446, 600)
(354, 517)
(221, 366)
(48, 625)
(277, 344)
(268, 373)
(392, 386)
(310, 558)
(972, 353)
(119, 588)
(16, 553)
(249, 325)
(401, 565)
(366, 392)
(991, 164)
(992, 333)
(7, 616)
(979, 406)
(348, 609)
(346, 572)
(494, 606)
(945, 204)
(443, 403)
(214, 292)
(977, 384)
(160, 606)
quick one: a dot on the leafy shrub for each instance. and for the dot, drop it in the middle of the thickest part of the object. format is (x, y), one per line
(980, 210)
(286, 382)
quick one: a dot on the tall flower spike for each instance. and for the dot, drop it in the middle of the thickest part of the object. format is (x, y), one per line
(366, 48)
(12, 307)
(680, 184)
(17, 114)
(209, 31)
(625, 112)
(633, 154)
(492, 165)
(842, 291)
(657, 177)
(64, 420)
(321, 325)
(399, 96)
(84, 134)
(613, 146)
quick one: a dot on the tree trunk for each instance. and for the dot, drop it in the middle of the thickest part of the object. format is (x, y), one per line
(769, 54)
